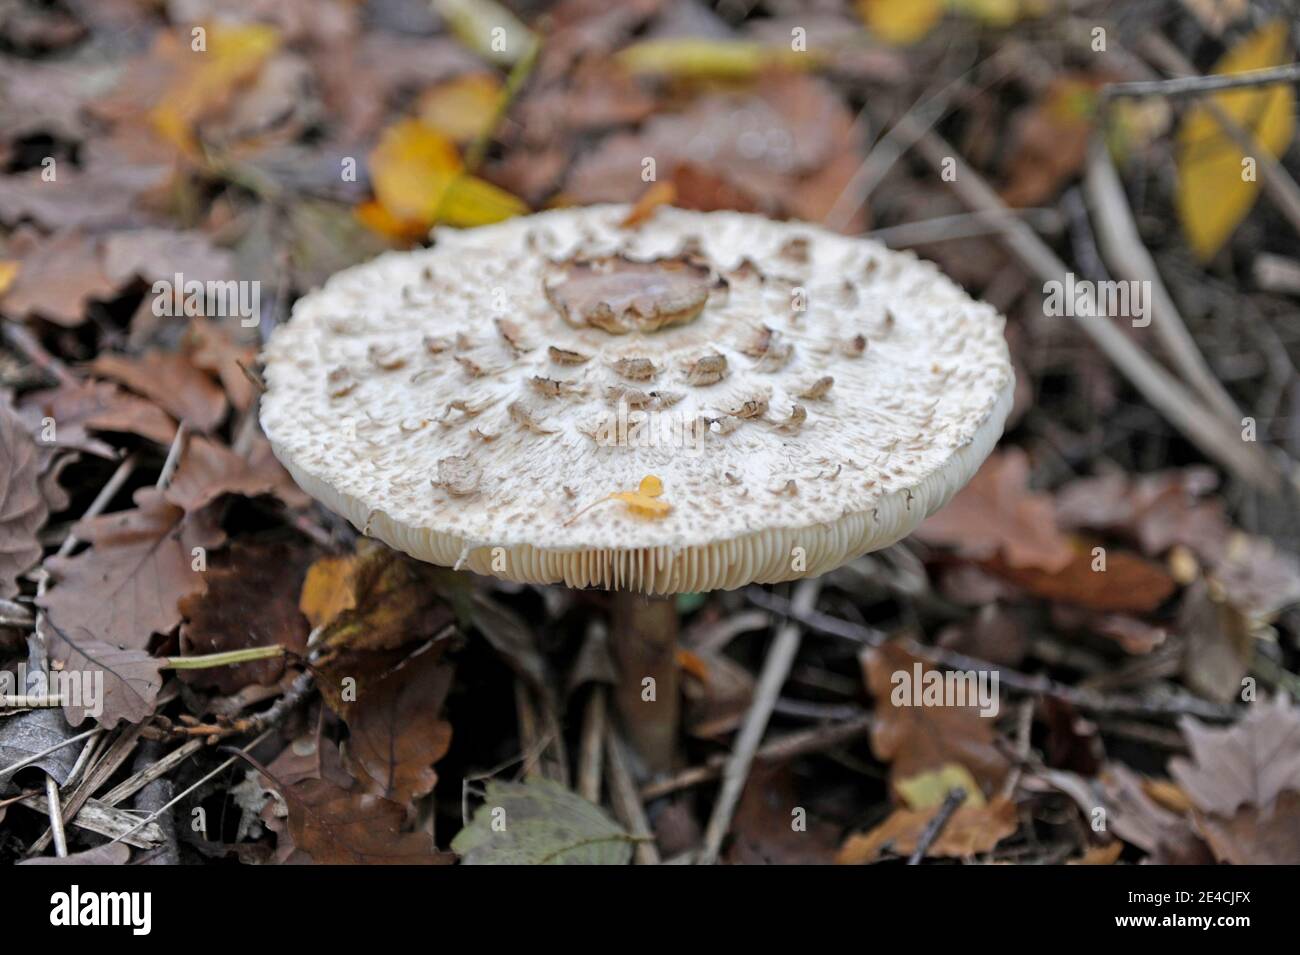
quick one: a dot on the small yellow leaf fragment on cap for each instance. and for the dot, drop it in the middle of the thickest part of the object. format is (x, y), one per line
(644, 501)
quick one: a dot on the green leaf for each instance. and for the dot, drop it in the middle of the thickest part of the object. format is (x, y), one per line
(540, 823)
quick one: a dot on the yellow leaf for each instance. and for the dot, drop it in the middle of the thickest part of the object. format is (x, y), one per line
(929, 789)
(487, 28)
(691, 57)
(233, 55)
(8, 273)
(327, 591)
(418, 180)
(900, 22)
(642, 502)
(1214, 192)
(461, 109)
(470, 201)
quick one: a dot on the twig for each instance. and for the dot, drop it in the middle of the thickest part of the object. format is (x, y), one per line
(1199, 85)
(951, 803)
(181, 795)
(1170, 397)
(28, 760)
(775, 669)
(962, 225)
(1127, 256)
(173, 457)
(592, 745)
(626, 802)
(1277, 182)
(21, 338)
(782, 748)
(56, 816)
(1179, 704)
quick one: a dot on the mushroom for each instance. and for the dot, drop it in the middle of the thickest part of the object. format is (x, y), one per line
(755, 472)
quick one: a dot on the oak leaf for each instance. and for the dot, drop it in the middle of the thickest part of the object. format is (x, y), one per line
(127, 585)
(22, 505)
(180, 388)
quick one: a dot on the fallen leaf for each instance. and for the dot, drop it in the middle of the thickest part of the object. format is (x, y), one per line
(929, 789)
(211, 348)
(58, 277)
(326, 591)
(419, 180)
(338, 827)
(1252, 837)
(462, 108)
(657, 194)
(703, 58)
(207, 470)
(1257, 577)
(1214, 193)
(1250, 763)
(1167, 837)
(131, 678)
(181, 389)
(1129, 584)
(22, 506)
(63, 417)
(395, 730)
(203, 81)
(250, 601)
(970, 831)
(901, 22)
(1220, 644)
(917, 739)
(127, 585)
(544, 824)
(997, 515)
(113, 853)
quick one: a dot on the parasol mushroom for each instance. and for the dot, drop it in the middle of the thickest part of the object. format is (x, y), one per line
(705, 401)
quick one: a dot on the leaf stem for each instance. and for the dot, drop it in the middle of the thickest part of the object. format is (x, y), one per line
(230, 658)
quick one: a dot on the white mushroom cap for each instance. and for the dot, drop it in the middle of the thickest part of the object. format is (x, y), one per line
(807, 397)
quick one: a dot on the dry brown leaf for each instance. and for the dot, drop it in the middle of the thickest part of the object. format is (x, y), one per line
(131, 677)
(184, 391)
(127, 585)
(971, 830)
(326, 591)
(997, 515)
(913, 739)
(212, 349)
(1129, 584)
(208, 470)
(1248, 764)
(1251, 836)
(57, 278)
(395, 733)
(250, 601)
(22, 505)
(1049, 141)
(1133, 815)
(77, 408)
(337, 827)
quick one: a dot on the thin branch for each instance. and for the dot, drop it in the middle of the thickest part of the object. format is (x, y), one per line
(1200, 85)
(775, 669)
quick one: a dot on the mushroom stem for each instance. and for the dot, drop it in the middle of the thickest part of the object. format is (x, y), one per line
(644, 643)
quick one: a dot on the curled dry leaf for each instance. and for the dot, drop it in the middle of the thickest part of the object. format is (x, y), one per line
(251, 601)
(180, 388)
(997, 514)
(78, 408)
(395, 733)
(619, 295)
(127, 585)
(22, 506)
